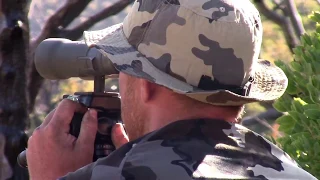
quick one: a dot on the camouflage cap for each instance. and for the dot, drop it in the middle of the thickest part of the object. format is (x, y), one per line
(205, 49)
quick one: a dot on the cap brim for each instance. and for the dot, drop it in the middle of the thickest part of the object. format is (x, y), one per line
(269, 83)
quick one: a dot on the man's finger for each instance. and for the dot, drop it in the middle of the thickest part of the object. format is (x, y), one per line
(47, 119)
(88, 131)
(63, 114)
(119, 136)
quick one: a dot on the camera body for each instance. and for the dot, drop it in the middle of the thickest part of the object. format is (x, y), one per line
(108, 108)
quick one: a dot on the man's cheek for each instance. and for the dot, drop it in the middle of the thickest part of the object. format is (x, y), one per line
(122, 94)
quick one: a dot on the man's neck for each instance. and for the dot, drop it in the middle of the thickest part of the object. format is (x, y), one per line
(161, 117)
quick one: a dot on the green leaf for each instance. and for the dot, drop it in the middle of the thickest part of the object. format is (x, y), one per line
(316, 43)
(311, 106)
(283, 104)
(306, 142)
(314, 93)
(279, 106)
(316, 148)
(308, 67)
(299, 78)
(297, 143)
(296, 66)
(312, 113)
(306, 40)
(287, 128)
(318, 29)
(285, 119)
(284, 140)
(305, 96)
(314, 128)
(298, 117)
(286, 123)
(310, 56)
(298, 135)
(292, 85)
(316, 67)
(316, 80)
(280, 64)
(297, 106)
(298, 52)
(315, 16)
(300, 101)
(314, 54)
(292, 88)
(297, 127)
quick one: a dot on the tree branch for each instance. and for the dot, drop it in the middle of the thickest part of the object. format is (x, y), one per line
(295, 17)
(58, 20)
(73, 12)
(278, 5)
(269, 115)
(289, 35)
(77, 32)
(282, 21)
(269, 14)
(262, 121)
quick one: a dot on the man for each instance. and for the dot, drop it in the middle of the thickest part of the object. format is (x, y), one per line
(186, 70)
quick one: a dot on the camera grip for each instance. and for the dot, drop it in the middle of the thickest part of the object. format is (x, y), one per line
(75, 124)
(103, 145)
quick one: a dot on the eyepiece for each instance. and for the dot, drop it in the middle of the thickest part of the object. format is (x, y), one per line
(22, 159)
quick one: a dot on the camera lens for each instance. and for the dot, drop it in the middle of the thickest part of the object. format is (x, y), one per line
(105, 125)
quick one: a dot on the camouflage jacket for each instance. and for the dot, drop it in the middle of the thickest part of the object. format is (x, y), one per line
(195, 149)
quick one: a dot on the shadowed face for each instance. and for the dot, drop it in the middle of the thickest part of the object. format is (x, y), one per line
(131, 109)
(134, 110)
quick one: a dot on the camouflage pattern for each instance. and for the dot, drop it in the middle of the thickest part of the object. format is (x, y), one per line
(195, 149)
(200, 48)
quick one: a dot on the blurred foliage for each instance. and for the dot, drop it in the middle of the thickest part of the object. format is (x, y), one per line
(274, 46)
(254, 109)
(301, 102)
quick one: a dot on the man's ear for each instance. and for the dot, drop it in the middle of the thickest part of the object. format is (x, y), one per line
(147, 90)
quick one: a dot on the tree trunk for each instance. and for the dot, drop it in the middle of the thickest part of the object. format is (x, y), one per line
(14, 46)
(19, 81)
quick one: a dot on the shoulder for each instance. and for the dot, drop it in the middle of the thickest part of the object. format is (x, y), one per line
(199, 150)
(95, 171)
(151, 160)
(108, 167)
(237, 153)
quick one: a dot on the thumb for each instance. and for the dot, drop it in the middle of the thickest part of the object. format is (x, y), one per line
(119, 136)
(88, 131)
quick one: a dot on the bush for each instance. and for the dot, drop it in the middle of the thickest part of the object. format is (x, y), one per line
(301, 103)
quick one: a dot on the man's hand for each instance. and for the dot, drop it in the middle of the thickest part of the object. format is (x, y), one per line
(52, 151)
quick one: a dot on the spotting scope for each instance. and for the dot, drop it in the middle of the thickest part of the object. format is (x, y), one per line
(58, 59)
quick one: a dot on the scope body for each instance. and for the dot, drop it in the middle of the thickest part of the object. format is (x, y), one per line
(58, 58)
